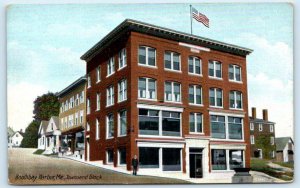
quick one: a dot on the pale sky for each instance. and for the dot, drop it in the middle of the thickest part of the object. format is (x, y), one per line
(45, 42)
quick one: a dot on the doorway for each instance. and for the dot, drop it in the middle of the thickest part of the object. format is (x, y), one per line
(196, 163)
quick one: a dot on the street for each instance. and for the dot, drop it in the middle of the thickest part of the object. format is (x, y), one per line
(28, 168)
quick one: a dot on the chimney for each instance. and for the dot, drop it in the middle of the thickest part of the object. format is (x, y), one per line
(265, 114)
(21, 130)
(253, 112)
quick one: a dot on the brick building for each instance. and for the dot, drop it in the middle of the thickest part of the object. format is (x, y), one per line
(72, 117)
(177, 101)
(262, 136)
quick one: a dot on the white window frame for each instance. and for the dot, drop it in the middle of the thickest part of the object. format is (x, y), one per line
(195, 123)
(88, 106)
(122, 57)
(195, 95)
(107, 156)
(215, 91)
(98, 74)
(215, 71)
(172, 92)
(107, 126)
(122, 90)
(260, 127)
(119, 123)
(110, 96)
(147, 63)
(88, 127)
(172, 61)
(251, 126)
(252, 139)
(271, 128)
(272, 140)
(81, 117)
(110, 66)
(227, 151)
(89, 84)
(97, 129)
(119, 157)
(235, 100)
(234, 73)
(194, 66)
(147, 89)
(98, 101)
(76, 118)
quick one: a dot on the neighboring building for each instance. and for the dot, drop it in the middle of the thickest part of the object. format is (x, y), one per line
(72, 118)
(17, 138)
(284, 149)
(177, 101)
(10, 133)
(42, 135)
(52, 136)
(262, 136)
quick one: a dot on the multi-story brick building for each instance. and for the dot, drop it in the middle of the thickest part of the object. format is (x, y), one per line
(177, 101)
(72, 118)
(262, 136)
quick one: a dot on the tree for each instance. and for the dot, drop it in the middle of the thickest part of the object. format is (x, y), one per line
(46, 106)
(31, 135)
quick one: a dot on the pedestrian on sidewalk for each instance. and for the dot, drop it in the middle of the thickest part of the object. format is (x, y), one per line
(134, 163)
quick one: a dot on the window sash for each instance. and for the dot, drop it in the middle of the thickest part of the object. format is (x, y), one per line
(122, 87)
(147, 88)
(122, 123)
(196, 121)
(195, 94)
(216, 97)
(172, 61)
(172, 92)
(98, 74)
(110, 96)
(147, 56)
(110, 66)
(215, 69)
(110, 126)
(122, 58)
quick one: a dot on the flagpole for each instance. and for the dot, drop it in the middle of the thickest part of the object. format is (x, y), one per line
(191, 19)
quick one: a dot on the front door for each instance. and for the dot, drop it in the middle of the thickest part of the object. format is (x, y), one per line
(196, 167)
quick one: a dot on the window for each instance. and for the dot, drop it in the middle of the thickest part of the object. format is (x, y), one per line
(148, 122)
(109, 156)
(110, 66)
(122, 59)
(122, 90)
(271, 128)
(235, 99)
(122, 123)
(72, 102)
(76, 118)
(235, 128)
(79, 140)
(110, 96)
(81, 117)
(88, 81)
(272, 140)
(251, 126)
(98, 101)
(172, 92)
(147, 56)
(62, 107)
(82, 97)
(149, 157)
(66, 105)
(170, 123)
(260, 127)
(218, 159)
(195, 65)
(172, 61)
(147, 88)
(171, 159)
(236, 159)
(88, 127)
(97, 129)
(196, 123)
(218, 129)
(98, 72)
(122, 156)
(88, 110)
(215, 69)
(195, 94)
(77, 99)
(110, 126)
(234, 73)
(215, 97)
(252, 140)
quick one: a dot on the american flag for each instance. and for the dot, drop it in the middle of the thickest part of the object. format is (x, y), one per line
(200, 17)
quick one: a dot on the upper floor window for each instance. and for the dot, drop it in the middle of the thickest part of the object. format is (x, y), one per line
(98, 74)
(217, 125)
(98, 101)
(147, 56)
(272, 140)
(97, 129)
(62, 107)
(122, 129)
(235, 99)
(195, 65)
(171, 123)
(88, 106)
(110, 95)
(81, 117)
(122, 90)
(110, 126)
(110, 66)
(88, 127)
(172, 92)
(235, 73)
(260, 127)
(82, 97)
(172, 61)
(235, 128)
(216, 97)
(148, 122)
(88, 81)
(122, 58)
(251, 126)
(147, 88)
(215, 69)
(66, 105)
(195, 94)
(226, 127)
(252, 140)
(271, 128)
(196, 123)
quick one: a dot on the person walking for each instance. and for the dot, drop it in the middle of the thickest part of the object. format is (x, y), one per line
(134, 163)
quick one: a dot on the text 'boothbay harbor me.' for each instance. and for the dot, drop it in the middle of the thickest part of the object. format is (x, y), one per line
(33, 178)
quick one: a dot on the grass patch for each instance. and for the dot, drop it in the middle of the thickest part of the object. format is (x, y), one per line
(38, 152)
(288, 165)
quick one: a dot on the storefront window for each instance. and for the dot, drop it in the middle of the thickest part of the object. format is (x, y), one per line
(236, 159)
(79, 141)
(218, 159)
(149, 157)
(171, 159)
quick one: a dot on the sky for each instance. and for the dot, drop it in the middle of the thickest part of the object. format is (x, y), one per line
(45, 42)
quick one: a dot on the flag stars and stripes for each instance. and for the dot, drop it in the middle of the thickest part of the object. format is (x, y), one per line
(200, 17)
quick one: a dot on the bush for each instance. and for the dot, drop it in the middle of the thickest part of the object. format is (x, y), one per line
(38, 152)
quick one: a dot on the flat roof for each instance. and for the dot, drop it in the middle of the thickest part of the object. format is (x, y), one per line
(162, 32)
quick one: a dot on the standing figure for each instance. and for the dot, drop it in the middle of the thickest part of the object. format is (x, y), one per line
(135, 163)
